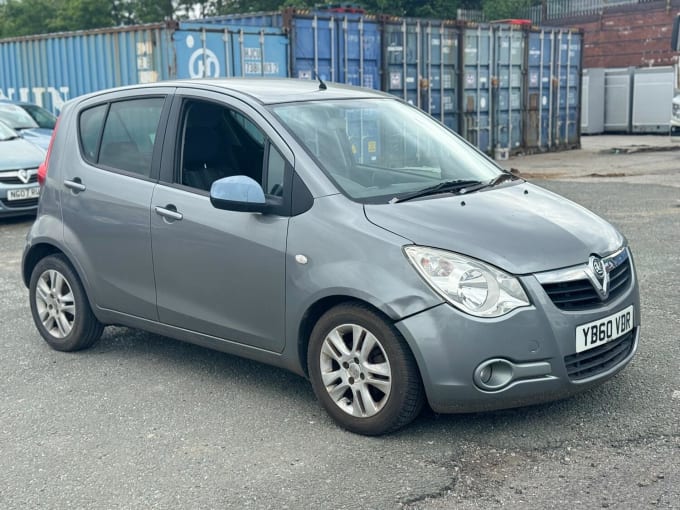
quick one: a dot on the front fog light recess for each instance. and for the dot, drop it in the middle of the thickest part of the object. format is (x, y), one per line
(468, 284)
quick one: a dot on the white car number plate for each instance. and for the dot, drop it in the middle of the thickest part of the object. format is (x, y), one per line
(23, 193)
(589, 336)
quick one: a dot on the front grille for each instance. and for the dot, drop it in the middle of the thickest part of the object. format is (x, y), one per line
(600, 359)
(581, 295)
(15, 204)
(13, 179)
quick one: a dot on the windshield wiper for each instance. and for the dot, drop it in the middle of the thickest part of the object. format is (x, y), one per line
(457, 186)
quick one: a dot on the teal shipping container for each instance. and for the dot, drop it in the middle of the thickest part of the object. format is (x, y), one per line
(50, 69)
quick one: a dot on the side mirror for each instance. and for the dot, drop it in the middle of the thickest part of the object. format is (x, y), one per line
(675, 38)
(238, 193)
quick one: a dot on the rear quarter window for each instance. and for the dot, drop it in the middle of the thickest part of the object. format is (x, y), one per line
(90, 129)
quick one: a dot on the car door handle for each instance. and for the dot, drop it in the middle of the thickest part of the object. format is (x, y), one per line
(169, 212)
(75, 185)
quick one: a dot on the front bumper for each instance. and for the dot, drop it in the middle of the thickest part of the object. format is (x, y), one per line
(449, 346)
(17, 207)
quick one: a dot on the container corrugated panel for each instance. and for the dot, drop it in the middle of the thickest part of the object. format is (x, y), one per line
(553, 90)
(509, 72)
(422, 64)
(539, 106)
(568, 60)
(50, 69)
(206, 51)
(359, 52)
(477, 65)
(343, 48)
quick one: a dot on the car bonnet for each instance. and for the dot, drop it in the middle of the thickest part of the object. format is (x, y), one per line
(16, 154)
(521, 228)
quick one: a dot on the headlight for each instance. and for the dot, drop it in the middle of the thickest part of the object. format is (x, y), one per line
(676, 110)
(468, 284)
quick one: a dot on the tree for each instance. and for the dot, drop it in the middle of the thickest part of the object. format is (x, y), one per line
(503, 9)
(25, 17)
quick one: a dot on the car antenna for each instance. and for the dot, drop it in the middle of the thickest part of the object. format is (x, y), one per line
(322, 85)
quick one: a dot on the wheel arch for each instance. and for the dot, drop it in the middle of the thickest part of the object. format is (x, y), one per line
(35, 254)
(42, 249)
(314, 312)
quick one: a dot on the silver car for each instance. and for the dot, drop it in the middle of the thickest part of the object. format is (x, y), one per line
(19, 161)
(334, 231)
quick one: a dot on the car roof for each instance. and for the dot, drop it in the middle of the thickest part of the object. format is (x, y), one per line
(270, 90)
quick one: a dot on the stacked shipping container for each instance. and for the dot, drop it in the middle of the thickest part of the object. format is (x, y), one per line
(505, 87)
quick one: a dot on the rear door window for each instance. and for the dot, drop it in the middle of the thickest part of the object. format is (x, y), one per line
(121, 135)
(129, 135)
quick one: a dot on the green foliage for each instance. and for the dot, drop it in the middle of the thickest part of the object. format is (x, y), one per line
(25, 17)
(503, 9)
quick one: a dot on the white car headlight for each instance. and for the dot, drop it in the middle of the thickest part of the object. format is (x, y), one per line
(468, 284)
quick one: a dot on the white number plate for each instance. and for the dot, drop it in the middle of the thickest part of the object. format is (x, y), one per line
(604, 330)
(23, 193)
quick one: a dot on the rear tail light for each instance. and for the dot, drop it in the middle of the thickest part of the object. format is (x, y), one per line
(42, 169)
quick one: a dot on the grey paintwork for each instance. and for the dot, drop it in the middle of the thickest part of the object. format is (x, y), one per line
(519, 228)
(232, 283)
(231, 280)
(451, 344)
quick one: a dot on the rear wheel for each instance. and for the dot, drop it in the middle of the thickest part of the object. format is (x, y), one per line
(362, 371)
(60, 308)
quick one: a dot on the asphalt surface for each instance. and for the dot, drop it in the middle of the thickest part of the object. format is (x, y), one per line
(142, 421)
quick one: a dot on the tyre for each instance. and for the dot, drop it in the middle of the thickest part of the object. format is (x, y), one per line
(60, 308)
(362, 371)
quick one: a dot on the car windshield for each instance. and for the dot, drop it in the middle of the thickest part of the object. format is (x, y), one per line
(6, 133)
(16, 117)
(377, 150)
(42, 117)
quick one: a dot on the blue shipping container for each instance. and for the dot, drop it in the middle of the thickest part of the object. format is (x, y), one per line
(539, 118)
(421, 66)
(342, 48)
(211, 52)
(568, 61)
(552, 119)
(478, 45)
(50, 69)
(509, 87)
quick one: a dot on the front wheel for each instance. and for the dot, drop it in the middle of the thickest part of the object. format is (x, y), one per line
(362, 371)
(59, 306)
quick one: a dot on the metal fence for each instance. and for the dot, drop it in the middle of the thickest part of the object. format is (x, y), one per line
(555, 9)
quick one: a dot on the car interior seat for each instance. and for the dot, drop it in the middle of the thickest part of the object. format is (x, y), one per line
(206, 156)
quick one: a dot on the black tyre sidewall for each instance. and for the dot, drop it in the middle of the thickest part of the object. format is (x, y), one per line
(406, 382)
(86, 329)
